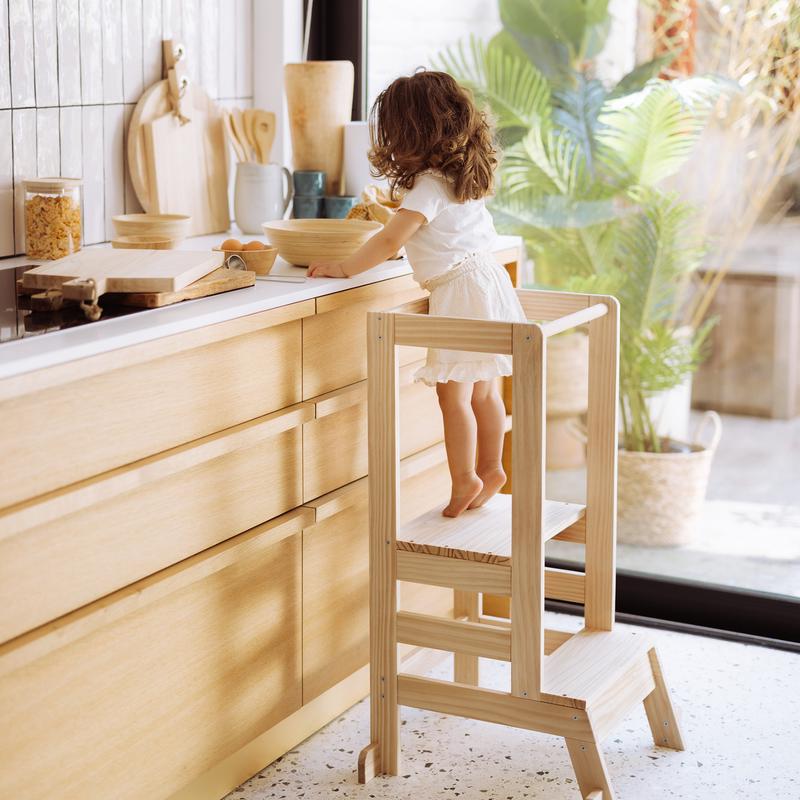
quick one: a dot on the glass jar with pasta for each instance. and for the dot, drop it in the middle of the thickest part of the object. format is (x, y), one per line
(52, 217)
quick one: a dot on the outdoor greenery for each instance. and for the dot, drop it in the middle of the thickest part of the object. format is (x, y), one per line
(582, 177)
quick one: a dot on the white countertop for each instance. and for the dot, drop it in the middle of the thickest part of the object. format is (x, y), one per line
(59, 347)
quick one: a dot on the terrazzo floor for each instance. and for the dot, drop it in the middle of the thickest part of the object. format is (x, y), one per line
(739, 705)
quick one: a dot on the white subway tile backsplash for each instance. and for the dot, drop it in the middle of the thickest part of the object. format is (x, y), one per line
(94, 226)
(112, 51)
(23, 88)
(151, 41)
(91, 40)
(114, 177)
(71, 72)
(44, 45)
(48, 148)
(6, 187)
(69, 52)
(23, 135)
(132, 75)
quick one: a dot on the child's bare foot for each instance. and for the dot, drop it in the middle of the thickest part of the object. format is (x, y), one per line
(493, 481)
(465, 490)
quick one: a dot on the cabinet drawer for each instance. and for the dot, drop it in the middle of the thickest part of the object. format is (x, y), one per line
(175, 672)
(69, 548)
(335, 339)
(335, 442)
(336, 572)
(56, 436)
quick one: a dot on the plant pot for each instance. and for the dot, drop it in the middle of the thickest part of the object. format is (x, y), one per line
(319, 98)
(567, 399)
(660, 494)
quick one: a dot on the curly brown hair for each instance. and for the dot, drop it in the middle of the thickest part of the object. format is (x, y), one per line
(428, 121)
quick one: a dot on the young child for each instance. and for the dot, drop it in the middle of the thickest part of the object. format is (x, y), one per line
(429, 139)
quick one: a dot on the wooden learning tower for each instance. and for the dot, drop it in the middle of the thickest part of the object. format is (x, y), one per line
(578, 686)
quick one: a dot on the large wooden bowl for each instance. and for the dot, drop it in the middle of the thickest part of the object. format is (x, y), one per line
(301, 241)
(174, 226)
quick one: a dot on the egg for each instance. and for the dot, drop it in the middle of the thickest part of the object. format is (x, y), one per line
(254, 245)
(231, 244)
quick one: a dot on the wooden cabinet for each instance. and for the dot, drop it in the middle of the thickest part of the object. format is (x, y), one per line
(335, 339)
(146, 689)
(67, 549)
(94, 423)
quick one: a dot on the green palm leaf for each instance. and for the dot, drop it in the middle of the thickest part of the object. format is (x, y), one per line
(516, 92)
(577, 111)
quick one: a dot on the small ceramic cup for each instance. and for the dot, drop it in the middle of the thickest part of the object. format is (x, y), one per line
(307, 207)
(338, 207)
(309, 182)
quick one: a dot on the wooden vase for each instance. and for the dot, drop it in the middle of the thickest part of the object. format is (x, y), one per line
(319, 97)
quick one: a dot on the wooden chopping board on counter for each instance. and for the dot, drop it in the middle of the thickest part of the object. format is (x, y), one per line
(180, 168)
(122, 271)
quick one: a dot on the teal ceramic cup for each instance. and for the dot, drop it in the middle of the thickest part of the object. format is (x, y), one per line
(307, 207)
(309, 182)
(337, 207)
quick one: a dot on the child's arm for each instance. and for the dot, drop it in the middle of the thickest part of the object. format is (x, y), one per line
(374, 251)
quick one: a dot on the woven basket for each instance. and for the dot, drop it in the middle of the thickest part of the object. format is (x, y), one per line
(567, 375)
(661, 494)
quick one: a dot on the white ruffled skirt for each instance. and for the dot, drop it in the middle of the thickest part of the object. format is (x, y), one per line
(476, 288)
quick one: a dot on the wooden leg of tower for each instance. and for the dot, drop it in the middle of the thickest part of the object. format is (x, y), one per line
(466, 606)
(590, 769)
(660, 711)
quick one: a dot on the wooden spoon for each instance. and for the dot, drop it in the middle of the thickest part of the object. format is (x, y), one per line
(232, 138)
(264, 130)
(249, 121)
(238, 129)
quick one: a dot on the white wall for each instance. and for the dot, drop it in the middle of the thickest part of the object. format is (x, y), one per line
(405, 35)
(71, 72)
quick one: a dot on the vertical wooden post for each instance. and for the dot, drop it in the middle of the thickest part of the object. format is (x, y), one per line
(465, 668)
(527, 547)
(382, 390)
(601, 467)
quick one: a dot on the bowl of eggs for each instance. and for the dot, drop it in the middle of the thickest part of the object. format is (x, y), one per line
(256, 256)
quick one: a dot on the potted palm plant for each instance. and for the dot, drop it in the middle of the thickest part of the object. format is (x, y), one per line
(582, 181)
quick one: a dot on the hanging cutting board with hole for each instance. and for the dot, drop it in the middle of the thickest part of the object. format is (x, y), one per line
(122, 271)
(154, 105)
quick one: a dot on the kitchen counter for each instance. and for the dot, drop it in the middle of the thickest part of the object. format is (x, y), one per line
(38, 352)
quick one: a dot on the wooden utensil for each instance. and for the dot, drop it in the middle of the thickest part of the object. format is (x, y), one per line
(232, 137)
(264, 132)
(238, 129)
(94, 272)
(216, 282)
(187, 169)
(248, 122)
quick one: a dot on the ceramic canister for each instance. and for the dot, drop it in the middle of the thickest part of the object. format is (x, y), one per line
(262, 193)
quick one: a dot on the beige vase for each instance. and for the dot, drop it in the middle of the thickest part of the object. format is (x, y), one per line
(319, 97)
(567, 399)
(660, 495)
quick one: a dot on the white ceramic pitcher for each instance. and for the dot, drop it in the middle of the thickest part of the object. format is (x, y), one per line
(262, 193)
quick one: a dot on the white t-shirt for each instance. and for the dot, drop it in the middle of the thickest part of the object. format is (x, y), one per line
(451, 229)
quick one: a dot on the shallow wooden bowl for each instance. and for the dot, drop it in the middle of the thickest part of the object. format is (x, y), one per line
(173, 226)
(301, 241)
(148, 242)
(258, 261)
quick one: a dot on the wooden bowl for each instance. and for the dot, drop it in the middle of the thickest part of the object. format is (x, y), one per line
(258, 261)
(149, 242)
(301, 241)
(173, 226)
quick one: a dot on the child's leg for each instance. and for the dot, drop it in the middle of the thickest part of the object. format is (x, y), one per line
(460, 439)
(490, 414)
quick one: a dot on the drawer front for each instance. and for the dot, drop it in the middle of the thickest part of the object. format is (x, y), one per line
(335, 443)
(49, 569)
(174, 673)
(335, 339)
(64, 434)
(336, 584)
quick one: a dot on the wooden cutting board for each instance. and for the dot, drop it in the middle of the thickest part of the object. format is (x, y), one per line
(155, 105)
(219, 281)
(122, 271)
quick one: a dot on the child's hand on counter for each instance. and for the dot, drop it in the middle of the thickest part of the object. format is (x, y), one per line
(326, 269)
